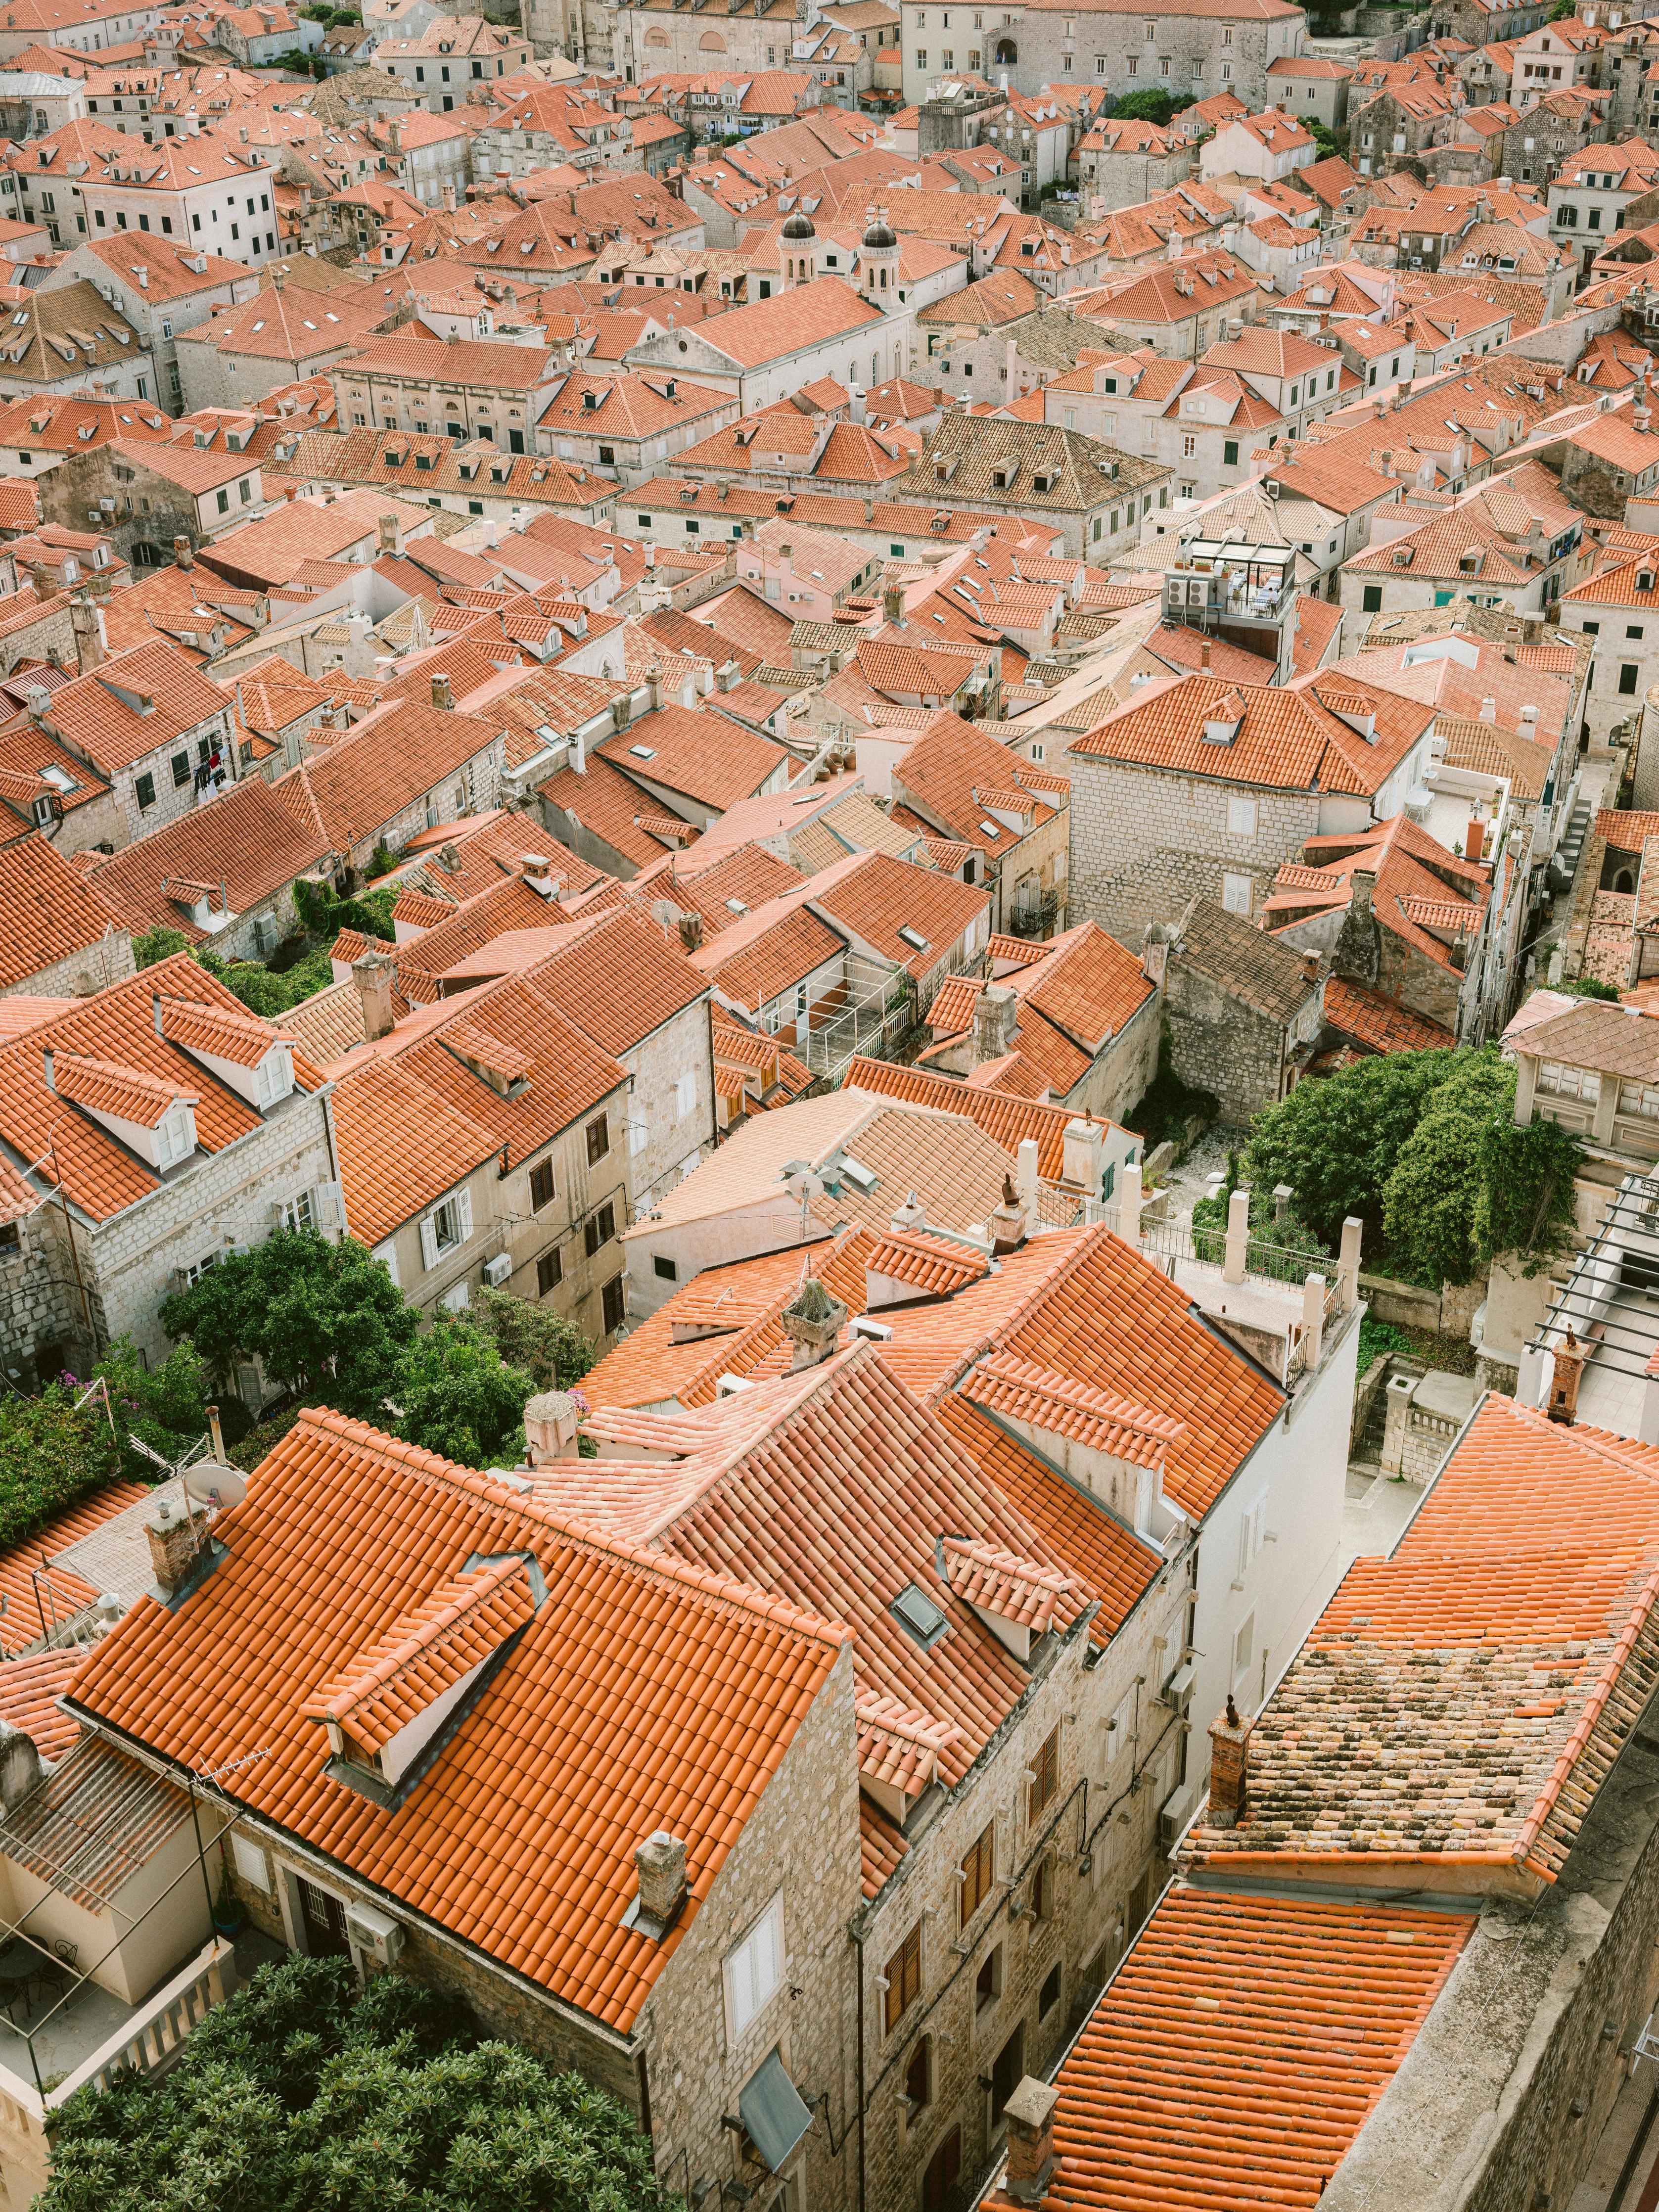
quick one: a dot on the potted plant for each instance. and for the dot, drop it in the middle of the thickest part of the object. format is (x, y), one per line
(229, 1917)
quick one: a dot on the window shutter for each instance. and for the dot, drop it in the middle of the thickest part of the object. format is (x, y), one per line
(428, 1242)
(463, 1208)
(388, 1257)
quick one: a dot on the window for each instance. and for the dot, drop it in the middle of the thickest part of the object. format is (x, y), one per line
(1243, 1649)
(1236, 893)
(144, 789)
(541, 1185)
(447, 1226)
(550, 1272)
(223, 502)
(1241, 817)
(1627, 675)
(903, 1979)
(1045, 1778)
(599, 1229)
(1229, 452)
(182, 770)
(918, 2073)
(978, 1871)
(244, 490)
(294, 1213)
(686, 1096)
(666, 1271)
(918, 1616)
(1049, 1996)
(754, 1971)
(613, 1305)
(1008, 2073)
(987, 1983)
(940, 2180)
(1569, 1082)
(598, 1139)
(1371, 599)
(1189, 447)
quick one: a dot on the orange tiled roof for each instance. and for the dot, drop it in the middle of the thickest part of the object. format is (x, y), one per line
(1541, 1621)
(31, 1609)
(1240, 2048)
(1006, 1120)
(566, 1747)
(1381, 1023)
(52, 911)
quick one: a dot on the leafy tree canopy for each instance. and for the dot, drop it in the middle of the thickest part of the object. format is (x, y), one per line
(460, 1398)
(1423, 1147)
(300, 2092)
(1152, 106)
(1587, 987)
(326, 1320)
(552, 1351)
(51, 1455)
(264, 991)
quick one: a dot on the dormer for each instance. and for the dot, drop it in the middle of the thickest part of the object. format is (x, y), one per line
(1110, 1446)
(505, 1068)
(387, 1712)
(898, 1750)
(1015, 1598)
(241, 1050)
(1354, 708)
(1225, 720)
(149, 1116)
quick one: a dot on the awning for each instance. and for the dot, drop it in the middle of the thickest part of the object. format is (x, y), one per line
(770, 2108)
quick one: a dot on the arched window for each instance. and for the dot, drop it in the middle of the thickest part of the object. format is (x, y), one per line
(711, 43)
(1624, 881)
(1008, 51)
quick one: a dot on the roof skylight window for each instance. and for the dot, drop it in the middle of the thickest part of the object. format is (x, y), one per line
(918, 1616)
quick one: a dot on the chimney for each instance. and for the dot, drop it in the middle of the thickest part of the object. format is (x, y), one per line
(1474, 841)
(1204, 656)
(910, 1216)
(174, 1533)
(392, 534)
(446, 199)
(659, 1862)
(373, 975)
(538, 873)
(652, 689)
(1031, 2116)
(892, 605)
(1489, 708)
(37, 699)
(1081, 1162)
(442, 695)
(1563, 1383)
(90, 638)
(20, 1765)
(1362, 883)
(690, 929)
(1025, 1171)
(1229, 1773)
(1007, 1221)
(996, 1011)
(812, 1321)
(550, 1426)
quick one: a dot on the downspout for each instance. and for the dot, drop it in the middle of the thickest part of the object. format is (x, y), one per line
(859, 1943)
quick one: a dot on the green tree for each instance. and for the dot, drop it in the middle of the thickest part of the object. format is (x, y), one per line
(1432, 1195)
(1587, 987)
(552, 1351)
(1527, 1200)
(52, 1453)
(300, 2092)
(164, 1407)
(1336, 1143)
(458, 1396)
(326, 1320)
(161, 943)
(1152, 106)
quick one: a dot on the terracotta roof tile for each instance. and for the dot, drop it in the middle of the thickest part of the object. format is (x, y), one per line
(566, 1745)
(1381, 1023)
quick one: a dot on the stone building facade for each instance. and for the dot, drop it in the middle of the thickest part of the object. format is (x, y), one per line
(1218, 45)
(1243, 1012)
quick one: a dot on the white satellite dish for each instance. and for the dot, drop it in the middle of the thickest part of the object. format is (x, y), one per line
(211, 1484)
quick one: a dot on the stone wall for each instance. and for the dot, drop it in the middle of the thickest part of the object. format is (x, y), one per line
(1145, 843)
(1219, 1043)
(1216, 51)
(148, 508)
(79, 974)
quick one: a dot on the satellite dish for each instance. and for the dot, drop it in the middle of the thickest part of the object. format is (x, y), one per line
(211, 1484)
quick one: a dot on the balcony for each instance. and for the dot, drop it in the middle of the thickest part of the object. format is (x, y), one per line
(86, 2037)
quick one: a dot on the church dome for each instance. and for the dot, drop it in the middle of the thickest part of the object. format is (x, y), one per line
(878, 237)
(799, 226)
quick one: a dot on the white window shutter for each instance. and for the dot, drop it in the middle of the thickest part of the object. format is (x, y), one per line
(387, 1256)
(428, 1242)
(464, 1207)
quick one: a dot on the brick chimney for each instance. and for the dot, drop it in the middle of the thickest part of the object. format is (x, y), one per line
(659, 1862)
(1006, 1224)
(174, 1535)
(90, 635)
(373, 976)
(392, 534)
(1229, 1738)
(443, 695)
(1563, 1383)
(1031, 2116)
(550, 1426)
(812, 1321)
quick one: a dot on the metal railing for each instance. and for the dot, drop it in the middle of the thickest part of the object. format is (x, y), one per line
(1205, 1246)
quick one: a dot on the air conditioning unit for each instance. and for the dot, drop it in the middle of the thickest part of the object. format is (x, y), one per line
(497, 1271)
(1169, 1825)
(1177, 1690)
(376, 1933)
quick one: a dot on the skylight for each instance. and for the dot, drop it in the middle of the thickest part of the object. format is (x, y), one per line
(921, 1618)
(643, 752)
